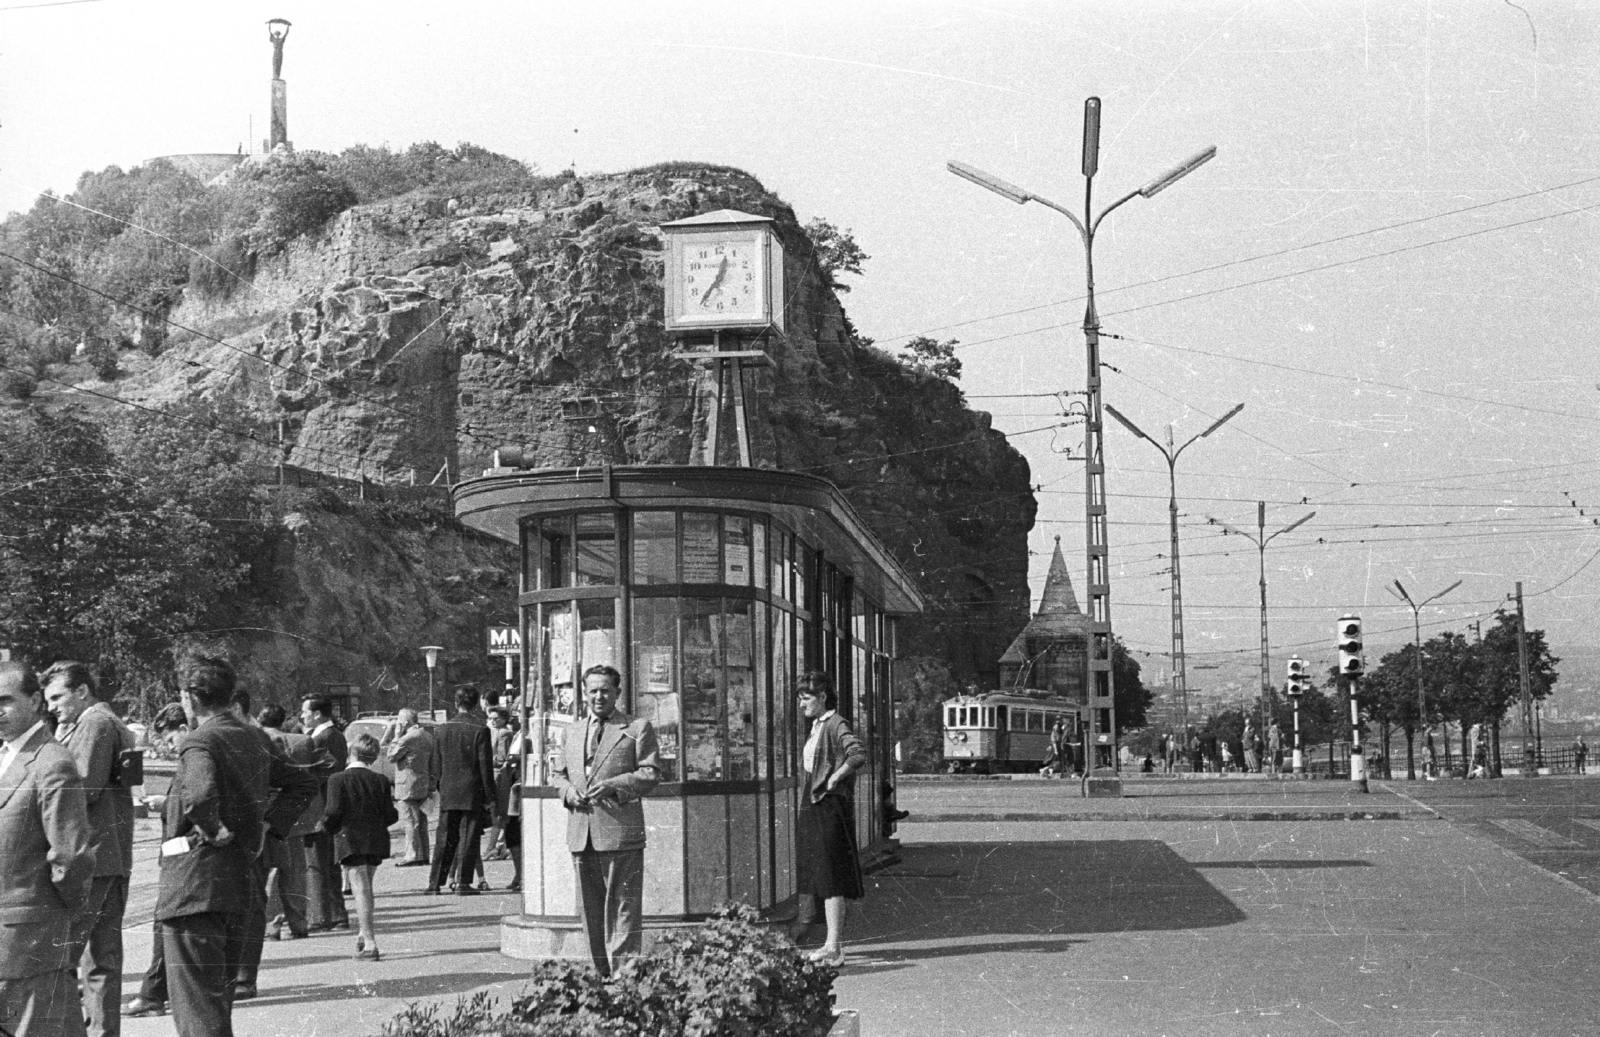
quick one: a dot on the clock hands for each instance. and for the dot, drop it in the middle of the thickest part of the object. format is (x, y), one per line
(722, 273)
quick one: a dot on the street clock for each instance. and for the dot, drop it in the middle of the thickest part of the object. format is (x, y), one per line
(724, 271)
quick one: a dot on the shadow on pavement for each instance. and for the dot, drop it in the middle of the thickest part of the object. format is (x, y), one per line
(408, 988)
(976, 892)
(1289, 865)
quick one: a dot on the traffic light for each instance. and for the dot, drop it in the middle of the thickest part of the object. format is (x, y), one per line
(1349, 637)
(1299, 677)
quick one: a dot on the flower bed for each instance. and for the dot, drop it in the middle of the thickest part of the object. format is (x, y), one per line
(726, 978)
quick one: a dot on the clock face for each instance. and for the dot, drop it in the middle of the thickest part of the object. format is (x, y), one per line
(721, 277)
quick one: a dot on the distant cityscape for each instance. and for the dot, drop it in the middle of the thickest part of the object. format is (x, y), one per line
(1218, 682)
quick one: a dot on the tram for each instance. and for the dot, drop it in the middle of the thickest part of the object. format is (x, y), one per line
(1005, 731)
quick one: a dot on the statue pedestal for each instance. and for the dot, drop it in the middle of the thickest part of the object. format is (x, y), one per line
(280, 115)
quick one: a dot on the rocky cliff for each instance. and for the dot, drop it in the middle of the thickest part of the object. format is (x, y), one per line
(415, 335)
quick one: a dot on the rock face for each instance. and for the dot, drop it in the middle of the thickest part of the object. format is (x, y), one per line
(418, 334)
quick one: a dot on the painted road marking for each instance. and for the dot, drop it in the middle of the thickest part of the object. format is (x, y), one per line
(1532, 833)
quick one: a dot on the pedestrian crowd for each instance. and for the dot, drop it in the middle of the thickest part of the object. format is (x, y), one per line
(269, 823)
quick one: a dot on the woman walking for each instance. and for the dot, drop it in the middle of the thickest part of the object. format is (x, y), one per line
(829, 868)
(359, 812)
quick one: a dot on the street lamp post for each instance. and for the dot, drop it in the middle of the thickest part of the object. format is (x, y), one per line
(430, 653)
(1261, 540)
(1180, 675)
(1416, 629)
(1101, 702)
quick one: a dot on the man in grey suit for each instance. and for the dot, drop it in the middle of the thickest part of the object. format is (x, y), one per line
(324, 879)
(411, 749)
(46, 866)
(96, 738)
(608, 763)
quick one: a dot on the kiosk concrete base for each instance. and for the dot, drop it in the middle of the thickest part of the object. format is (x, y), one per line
(1109, 787)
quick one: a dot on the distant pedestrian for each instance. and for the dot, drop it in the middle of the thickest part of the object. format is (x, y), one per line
(47, 866)
(411, 749)
(464, 762)
(1430, 761)
(1251, 744)
(1227, 759)
(98, 740)
(1197, 758)
(359, 812)
(285, 856)
(1580, 754)
(1275, 748)
(324, 886)
(1169, 755)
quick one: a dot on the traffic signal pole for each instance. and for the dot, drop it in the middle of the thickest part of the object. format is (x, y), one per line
(1296, 686)
(1351, 665)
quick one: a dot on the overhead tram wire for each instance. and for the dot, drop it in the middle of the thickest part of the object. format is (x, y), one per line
(1286, 276)
(1250, 259)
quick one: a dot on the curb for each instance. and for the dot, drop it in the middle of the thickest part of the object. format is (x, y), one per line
(1196, 815)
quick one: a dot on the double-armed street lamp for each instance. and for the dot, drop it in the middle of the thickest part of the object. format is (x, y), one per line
(1416, 628)
(1180, 676)
(1261, 540)
(430, 655)
(1102, 712)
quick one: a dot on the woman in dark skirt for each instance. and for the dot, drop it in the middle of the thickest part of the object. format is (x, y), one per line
(359, 812)
(829, 867)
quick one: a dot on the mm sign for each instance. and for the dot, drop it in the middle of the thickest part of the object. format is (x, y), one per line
(505, 641)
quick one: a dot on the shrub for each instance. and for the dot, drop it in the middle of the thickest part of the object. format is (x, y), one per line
(726, 978)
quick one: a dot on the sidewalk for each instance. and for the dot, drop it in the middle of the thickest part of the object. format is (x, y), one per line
(1077, 925)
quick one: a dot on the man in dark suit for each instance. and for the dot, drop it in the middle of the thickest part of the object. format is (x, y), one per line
(324, 881)
(464, 762)
(46, 866)
(97, 738)
(216, 816)
(607, 764)
(285, 858)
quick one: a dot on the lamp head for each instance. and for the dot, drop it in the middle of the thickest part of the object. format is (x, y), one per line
(1178, 172)
(990, 183)
(431, 654)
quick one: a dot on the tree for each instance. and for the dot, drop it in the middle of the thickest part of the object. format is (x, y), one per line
(933, 357)
(836, 252)
(1129, 695)
(1500, 682)
(101, 560)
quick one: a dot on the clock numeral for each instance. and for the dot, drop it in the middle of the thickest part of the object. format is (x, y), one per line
(749, 277)
(689, 279)
(720, 250)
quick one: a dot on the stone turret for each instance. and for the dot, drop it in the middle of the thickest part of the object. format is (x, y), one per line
(1051, 652)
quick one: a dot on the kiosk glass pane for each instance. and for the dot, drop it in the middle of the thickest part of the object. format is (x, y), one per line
(763, 694)
(801, 572)
(736, 550)
(702, 561)
(780, 565)
(702, 689)
(655, 675)
(555, 553)
(597, 550)
(560, 653)
(597, 642)
(782, 622)
(735, 637)
(655, 546)
(758, 546)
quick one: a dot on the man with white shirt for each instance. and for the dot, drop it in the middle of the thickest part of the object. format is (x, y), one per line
(96, 737)
(46, 866)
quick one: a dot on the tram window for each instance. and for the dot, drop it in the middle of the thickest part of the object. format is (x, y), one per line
(1019, 720)
(988, 717)
(950, 716)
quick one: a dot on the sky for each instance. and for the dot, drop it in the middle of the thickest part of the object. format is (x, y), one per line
(1391, 262)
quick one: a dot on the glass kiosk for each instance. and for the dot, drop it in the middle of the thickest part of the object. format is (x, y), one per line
(709, 588)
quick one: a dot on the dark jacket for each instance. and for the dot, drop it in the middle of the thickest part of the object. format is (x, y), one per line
(359, 812)
(96, 740)
(331, 741)
(229, 774)
(838, 745)
(464, 762)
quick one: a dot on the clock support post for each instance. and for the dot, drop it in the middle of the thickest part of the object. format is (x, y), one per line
(719, 380)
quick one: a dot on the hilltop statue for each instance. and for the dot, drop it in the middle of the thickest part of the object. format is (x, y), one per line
(277, 32)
